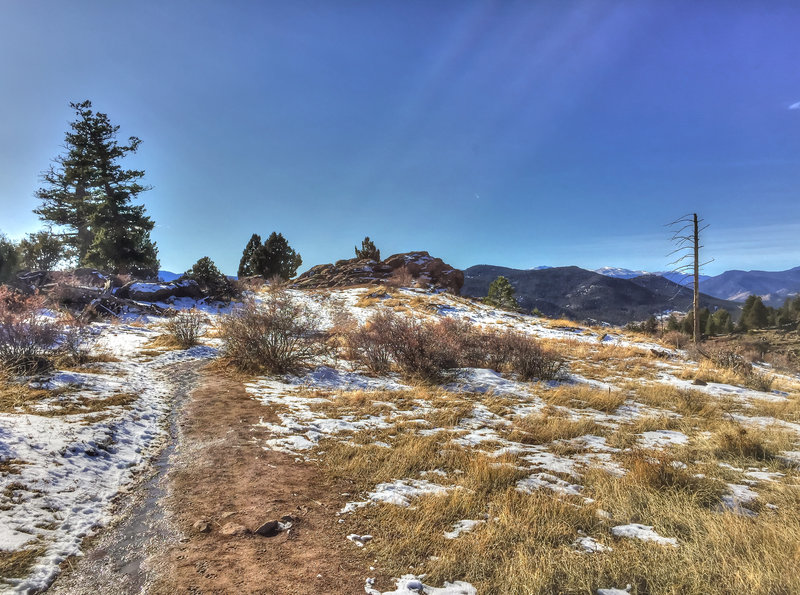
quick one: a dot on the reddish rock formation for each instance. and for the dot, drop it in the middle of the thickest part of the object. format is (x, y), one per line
(412, 269)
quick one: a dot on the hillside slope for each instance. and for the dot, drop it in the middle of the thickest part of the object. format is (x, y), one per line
(587, 295)
(773, 286)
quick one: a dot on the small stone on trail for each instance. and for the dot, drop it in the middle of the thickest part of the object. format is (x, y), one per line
(201, 526)
(234, 529)
(273, 528)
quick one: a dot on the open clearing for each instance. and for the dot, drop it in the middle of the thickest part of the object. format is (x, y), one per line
(622, 475)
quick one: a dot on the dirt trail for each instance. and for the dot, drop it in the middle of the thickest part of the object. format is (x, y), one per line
(216, 470)
(223, 475)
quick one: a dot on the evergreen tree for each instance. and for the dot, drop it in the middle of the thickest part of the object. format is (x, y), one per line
(755, 314)
(688, 322)
(722, 323)
(40, 251)
(205, 272)
(501, 294)
(368, 250)
(711, 327)
(672, 323)
(211, 280)
(8, 259)
(246, 268)
(650, 326)
(89, 196)
(282, 260)
(274, 258)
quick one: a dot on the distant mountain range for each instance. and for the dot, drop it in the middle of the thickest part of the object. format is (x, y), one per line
(588, 295)
(773, 286)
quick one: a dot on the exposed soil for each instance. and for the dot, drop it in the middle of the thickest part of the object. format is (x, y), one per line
(223, 475)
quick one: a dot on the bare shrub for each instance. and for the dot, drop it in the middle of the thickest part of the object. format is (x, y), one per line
(279, 334)
(74, 342)
(675, 339)
(420, 349)
(758, 380)
(28, 340)
(526, 356)
(731, 359)
(368, 344)
(186, 327)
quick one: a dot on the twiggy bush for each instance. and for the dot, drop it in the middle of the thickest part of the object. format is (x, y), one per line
(279, 334)
(420, 349)
(28, 341)
(185, 328)
(366, 344)
(74, 342)
(529, 359)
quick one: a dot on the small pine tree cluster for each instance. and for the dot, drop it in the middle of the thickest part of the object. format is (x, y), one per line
(757, 315)
(368, 250)
(501, 294)
(273, 258)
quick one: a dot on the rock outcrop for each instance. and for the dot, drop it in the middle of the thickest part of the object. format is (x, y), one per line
(411, 269)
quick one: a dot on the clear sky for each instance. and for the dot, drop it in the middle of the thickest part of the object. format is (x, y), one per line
(510, 133)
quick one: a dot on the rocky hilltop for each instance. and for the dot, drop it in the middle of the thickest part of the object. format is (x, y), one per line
(410, 269)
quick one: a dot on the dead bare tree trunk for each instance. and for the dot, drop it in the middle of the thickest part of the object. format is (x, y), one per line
(686, 237)
(696, 307)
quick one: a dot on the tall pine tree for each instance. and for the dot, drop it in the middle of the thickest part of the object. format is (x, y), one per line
(246, 267)
(89, 196)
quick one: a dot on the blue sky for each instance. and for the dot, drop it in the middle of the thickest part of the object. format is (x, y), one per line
(506, 133)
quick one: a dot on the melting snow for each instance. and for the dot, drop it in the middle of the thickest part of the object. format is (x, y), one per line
(643, 532)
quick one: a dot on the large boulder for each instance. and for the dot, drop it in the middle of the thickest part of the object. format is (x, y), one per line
(159, 292)
(410, 269)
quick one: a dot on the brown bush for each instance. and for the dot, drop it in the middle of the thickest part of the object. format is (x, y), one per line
(367, 344)
(422, 350)
(185, 328)
(731, 358)
(675, 339)
(525, 355)
(279, 334)
(28, 341)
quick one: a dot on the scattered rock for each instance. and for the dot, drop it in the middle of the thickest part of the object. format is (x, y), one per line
(201, 526)
(234, 529)
(273, 528)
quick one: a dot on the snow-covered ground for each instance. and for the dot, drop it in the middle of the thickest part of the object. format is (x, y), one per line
(68, 466)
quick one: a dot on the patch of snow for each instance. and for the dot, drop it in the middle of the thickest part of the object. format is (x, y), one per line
(662, 438)
(538, 481)
(643, 532)
(460, 527)
(410, 584)
(399, 492)
(590, 545)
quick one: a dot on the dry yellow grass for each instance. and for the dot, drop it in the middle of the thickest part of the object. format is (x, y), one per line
(18, 564)
(584, 396)
(547, 426)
